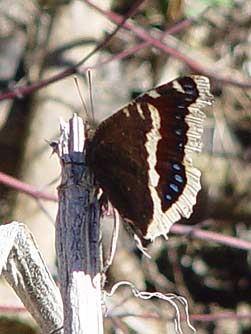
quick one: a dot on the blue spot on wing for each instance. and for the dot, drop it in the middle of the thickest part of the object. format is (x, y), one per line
(190, 92)
(168, 197)
(188, 99)
(174, 187)
(180, 146)
(187, 85)
(178, 132)
(178, 178)
(176, 166)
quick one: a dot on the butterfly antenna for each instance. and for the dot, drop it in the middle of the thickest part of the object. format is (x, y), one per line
(89, 76)
(81, 97)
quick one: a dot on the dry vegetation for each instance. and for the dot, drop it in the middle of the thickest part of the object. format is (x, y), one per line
(43, 38)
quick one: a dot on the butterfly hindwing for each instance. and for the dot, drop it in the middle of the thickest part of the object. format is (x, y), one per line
(140, 155)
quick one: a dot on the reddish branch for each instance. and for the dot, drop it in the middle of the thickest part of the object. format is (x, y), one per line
(190, 231)
(24, 90)
(149, 40)
(25, 188)
(194, 65)
(197, 233)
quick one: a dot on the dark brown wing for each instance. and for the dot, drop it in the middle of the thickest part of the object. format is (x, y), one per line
(139, 155)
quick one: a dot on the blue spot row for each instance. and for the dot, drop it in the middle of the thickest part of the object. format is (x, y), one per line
(174, 188)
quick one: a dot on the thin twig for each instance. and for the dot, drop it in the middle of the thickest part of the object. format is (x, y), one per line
(197, 233)
(194, 65)
(27, 89)
(25, 188)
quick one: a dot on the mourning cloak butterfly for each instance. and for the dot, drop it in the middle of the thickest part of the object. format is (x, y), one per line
(140, 155)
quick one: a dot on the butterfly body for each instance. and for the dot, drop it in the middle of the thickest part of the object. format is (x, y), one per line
(140, 155)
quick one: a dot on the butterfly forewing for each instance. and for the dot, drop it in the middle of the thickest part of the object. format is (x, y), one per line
(139, 156)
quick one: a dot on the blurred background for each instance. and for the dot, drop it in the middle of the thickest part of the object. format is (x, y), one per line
(39, 39)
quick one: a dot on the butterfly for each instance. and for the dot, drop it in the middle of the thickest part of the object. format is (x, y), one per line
(141, 155)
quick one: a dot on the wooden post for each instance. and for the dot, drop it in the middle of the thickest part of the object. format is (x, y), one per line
(77, 235)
